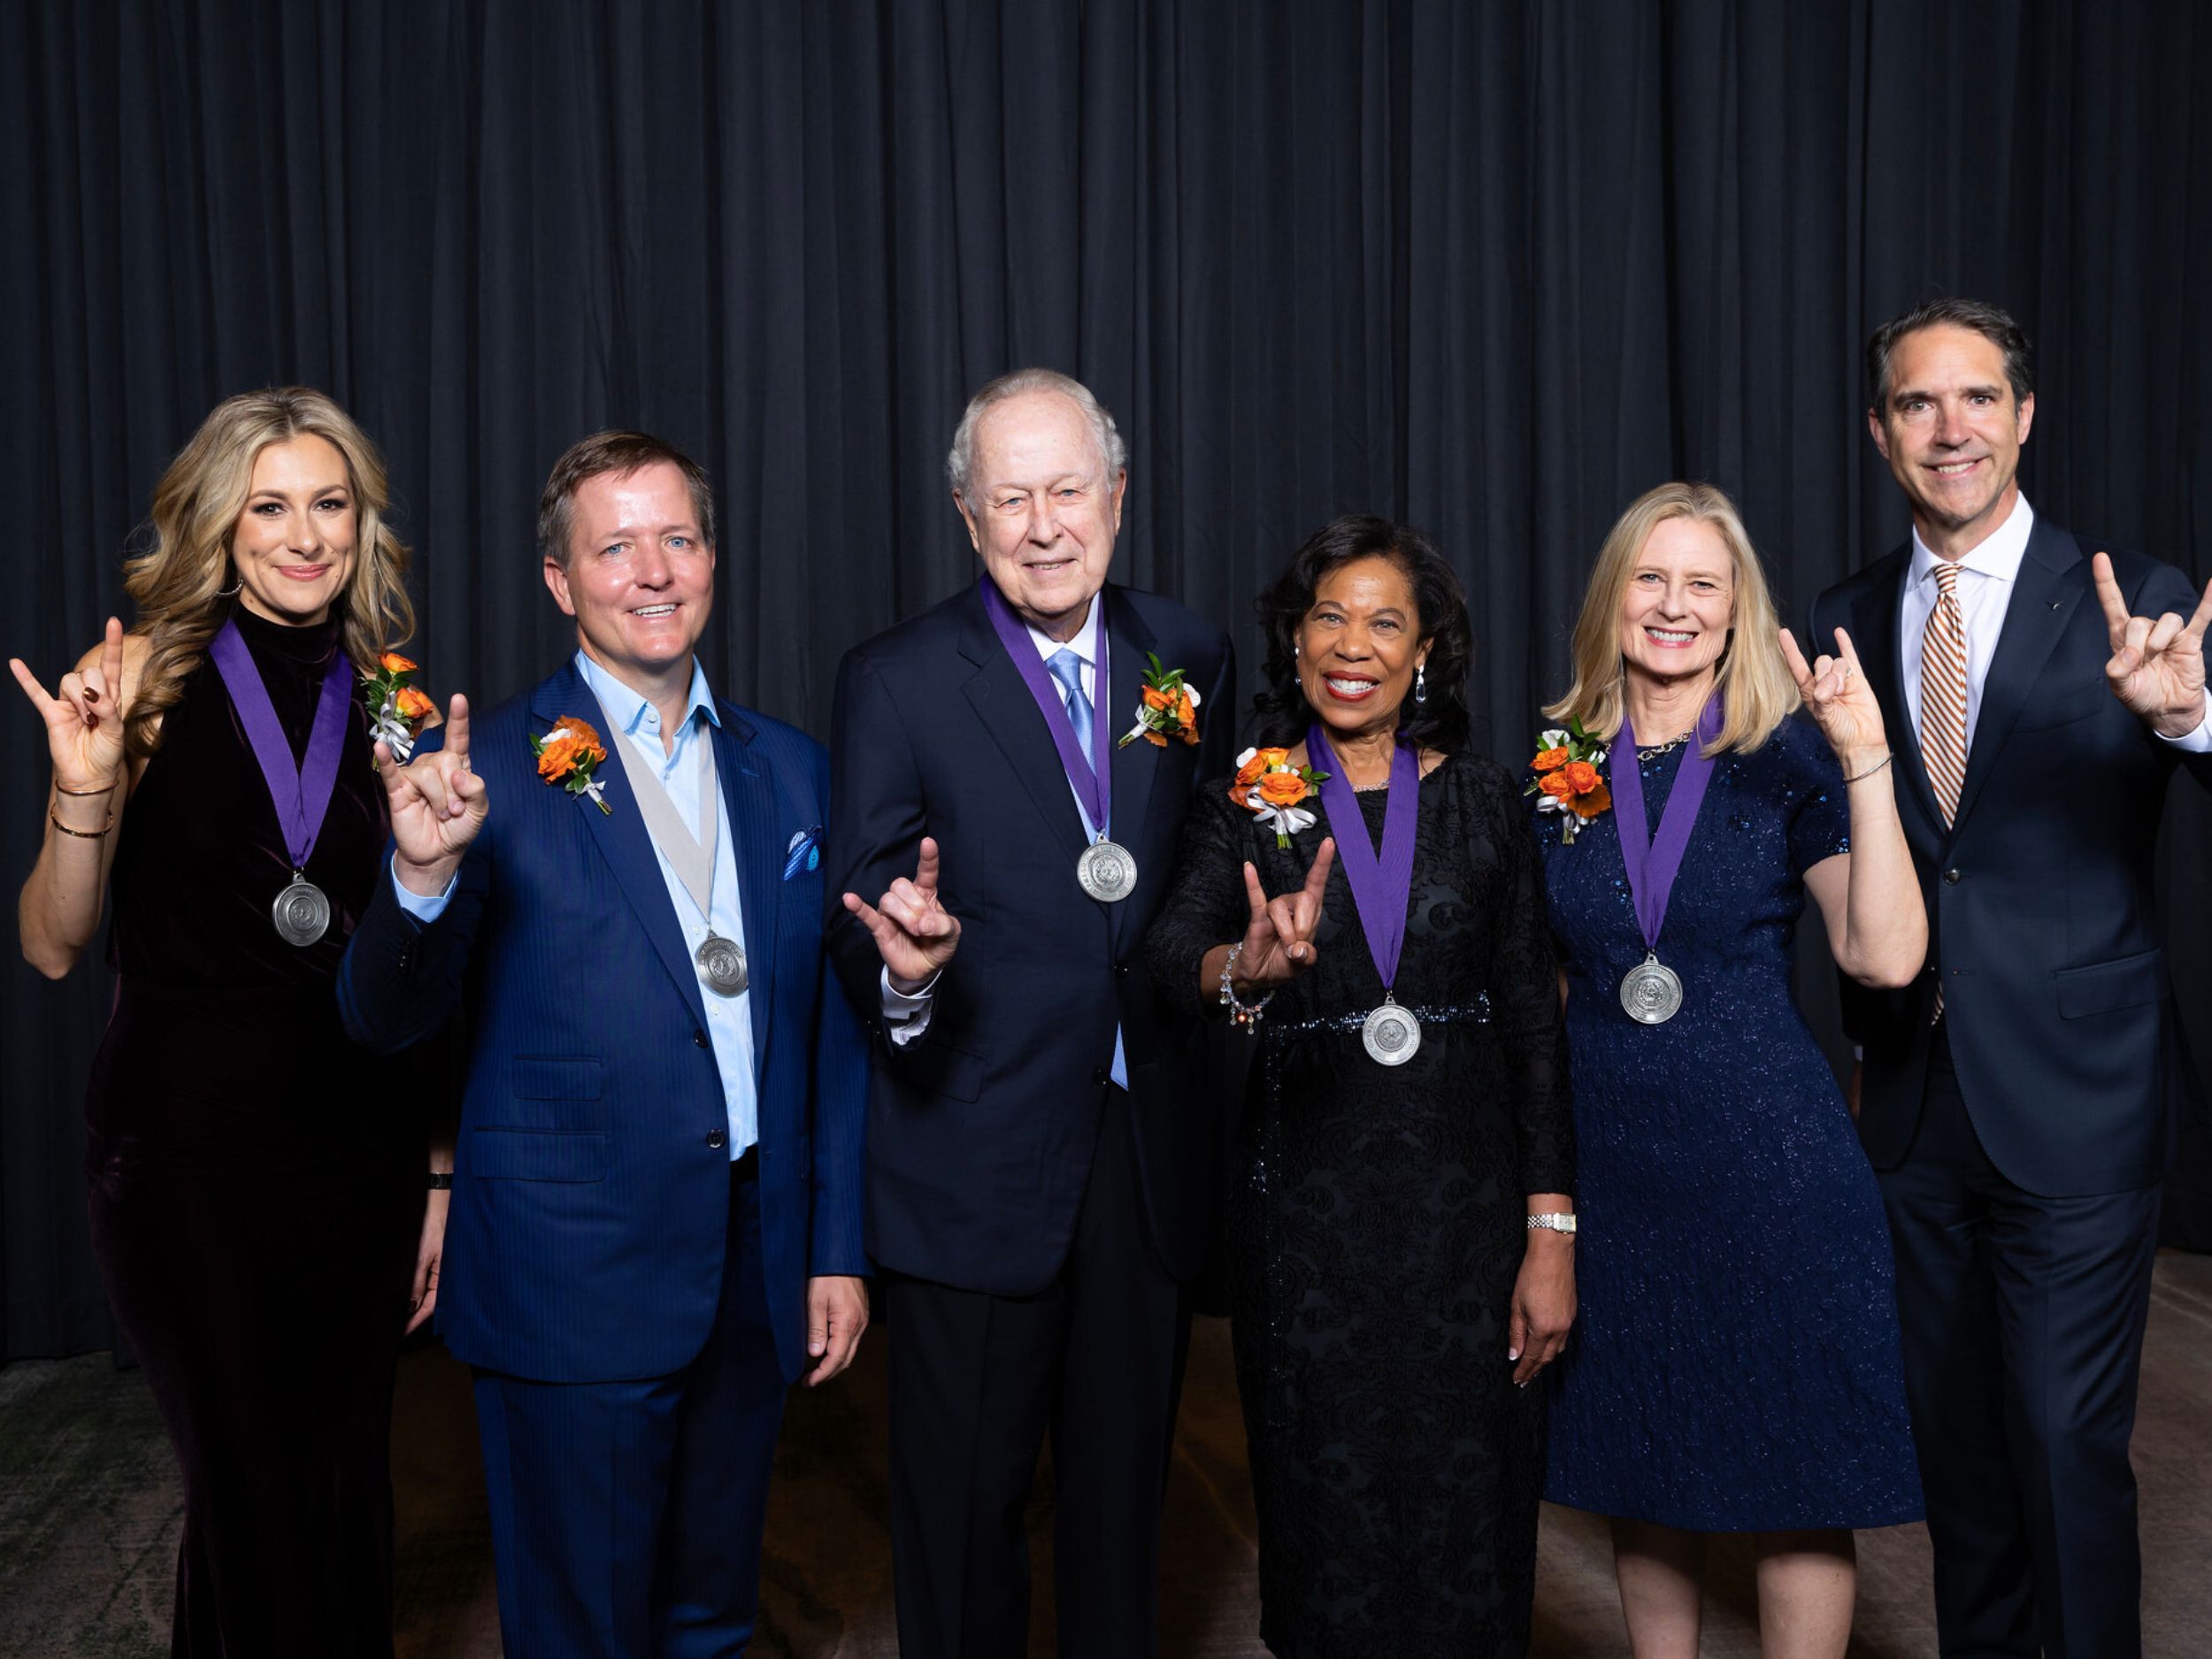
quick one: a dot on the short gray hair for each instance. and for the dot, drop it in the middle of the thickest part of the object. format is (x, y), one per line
(960, 463)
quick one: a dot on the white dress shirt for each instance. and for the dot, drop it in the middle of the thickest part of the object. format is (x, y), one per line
(907, 1016)
(1987, 576)
(729, 1018)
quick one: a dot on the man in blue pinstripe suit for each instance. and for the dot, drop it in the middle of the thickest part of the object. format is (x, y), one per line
(654, 1226)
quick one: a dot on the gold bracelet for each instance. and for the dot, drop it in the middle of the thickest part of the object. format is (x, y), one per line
(84, 793)
(82, 835)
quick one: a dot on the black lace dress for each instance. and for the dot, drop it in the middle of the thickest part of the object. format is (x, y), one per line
(1378, 1226)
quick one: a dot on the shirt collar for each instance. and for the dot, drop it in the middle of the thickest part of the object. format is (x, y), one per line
(1084, 644)
(1998, 555)
(626, 707)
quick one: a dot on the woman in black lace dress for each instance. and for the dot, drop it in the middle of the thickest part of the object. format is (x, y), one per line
(1399, 1267)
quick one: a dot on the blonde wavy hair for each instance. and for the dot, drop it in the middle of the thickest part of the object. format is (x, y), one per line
(1758, 691)
(181, 583)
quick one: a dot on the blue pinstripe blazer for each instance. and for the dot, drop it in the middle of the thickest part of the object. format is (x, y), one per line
(585, 1241)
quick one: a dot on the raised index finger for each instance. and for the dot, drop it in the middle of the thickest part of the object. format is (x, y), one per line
(1318, 878)
(457, 728)
(2108, 595)
(1793, 660)
(1255, 894)
(111, 659)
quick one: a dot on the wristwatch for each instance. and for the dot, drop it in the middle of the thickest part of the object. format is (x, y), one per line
(1553, 1220)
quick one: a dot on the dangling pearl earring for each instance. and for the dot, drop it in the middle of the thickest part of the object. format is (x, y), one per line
(1420, 683)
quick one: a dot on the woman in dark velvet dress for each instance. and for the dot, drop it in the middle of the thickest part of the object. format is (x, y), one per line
(258, 1184)
(1392, 1296)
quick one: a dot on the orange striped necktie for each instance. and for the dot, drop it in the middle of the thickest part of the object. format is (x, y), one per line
(1943, 692)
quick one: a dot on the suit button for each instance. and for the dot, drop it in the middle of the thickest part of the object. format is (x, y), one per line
(1951, 878)
(700, 1037)
(718, 1139)
(1121, 970)
(1100, 1075)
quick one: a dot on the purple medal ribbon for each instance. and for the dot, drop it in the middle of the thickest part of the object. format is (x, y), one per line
(1382, 886)
(1091, 776)
(301, 793)
(1652, 862)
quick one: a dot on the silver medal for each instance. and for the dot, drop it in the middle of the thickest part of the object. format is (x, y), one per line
(1651, 993)
(721, 964)
(1392, 1035)
(302, 914)
(1107, 870)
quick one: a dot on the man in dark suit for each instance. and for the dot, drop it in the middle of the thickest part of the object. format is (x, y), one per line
(2020, 1101)
(655, 1213)
(1040, 1167)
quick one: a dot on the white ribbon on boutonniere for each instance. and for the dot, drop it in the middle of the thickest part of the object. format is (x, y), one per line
(1272, 789)
(395, 708)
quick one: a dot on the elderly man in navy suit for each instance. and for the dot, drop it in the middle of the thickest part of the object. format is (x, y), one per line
(2020, 1103)
(655, 1224)
(1040, 1169)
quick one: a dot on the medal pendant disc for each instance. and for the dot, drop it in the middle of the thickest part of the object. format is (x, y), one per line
(721, 964)
(302, 914)
(1392, 1035)
(1651, 993)
(1106, 872)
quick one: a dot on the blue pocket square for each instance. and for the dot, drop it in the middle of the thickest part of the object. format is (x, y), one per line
(805, 852)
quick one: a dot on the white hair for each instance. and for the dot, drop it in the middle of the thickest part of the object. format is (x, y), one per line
(960, 463)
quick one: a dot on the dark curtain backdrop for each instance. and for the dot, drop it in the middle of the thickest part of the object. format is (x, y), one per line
(1492, 267)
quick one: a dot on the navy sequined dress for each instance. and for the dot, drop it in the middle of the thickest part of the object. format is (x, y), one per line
(1735, 1365)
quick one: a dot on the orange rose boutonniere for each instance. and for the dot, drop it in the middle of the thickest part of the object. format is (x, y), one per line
(1567, 779)
(568, 754)
(1272, 790)
(1168, 709)
(395, 706)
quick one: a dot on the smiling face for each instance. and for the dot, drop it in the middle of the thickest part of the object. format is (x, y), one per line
(639, 576)
(1044, 513)
(1358, 646)
(1951, 432)
(1679, 602)
(293, 545)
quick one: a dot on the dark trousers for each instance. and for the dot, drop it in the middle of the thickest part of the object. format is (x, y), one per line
(976, 1380)
(626, 1516)
(2023, 1321)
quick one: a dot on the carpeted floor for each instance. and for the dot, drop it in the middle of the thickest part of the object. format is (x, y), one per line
(88, 1512)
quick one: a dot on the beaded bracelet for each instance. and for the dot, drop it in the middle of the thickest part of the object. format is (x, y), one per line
(1244, 1014)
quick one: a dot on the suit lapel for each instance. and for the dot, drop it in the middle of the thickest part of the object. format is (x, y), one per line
(620, 835)
(1130, 642)
(749, 809)
(2041, 606)
(1875, 622)
(1001, 702)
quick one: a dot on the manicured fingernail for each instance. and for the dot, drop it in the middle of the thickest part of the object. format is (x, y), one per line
(1513, 1353)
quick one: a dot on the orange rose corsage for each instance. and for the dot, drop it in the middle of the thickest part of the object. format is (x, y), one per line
(1167, 709)
(1567, 779)
(1274, 791)
(568, 754)
(397, 709)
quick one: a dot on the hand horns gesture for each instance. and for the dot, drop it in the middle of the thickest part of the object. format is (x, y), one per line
(2157, 668)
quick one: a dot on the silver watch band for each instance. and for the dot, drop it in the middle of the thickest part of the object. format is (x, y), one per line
(1553, 1220)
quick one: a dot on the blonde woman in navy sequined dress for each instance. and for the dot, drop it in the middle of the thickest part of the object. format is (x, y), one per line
(1736, 1366)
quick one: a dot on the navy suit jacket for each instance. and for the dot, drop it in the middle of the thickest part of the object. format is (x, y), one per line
(2041, 925)
(587, 1232)
(980, 1131)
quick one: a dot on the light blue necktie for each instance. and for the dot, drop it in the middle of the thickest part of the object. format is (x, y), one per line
(1067, 668)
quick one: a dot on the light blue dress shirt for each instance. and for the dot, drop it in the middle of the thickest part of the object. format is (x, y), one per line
(729, 1018)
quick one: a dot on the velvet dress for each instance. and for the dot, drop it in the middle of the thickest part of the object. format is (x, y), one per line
(256, 1182)
(1378, 1223)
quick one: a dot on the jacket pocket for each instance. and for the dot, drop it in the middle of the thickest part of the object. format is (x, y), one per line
(937, 1068)
(2101, 987)
(536, 1155)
